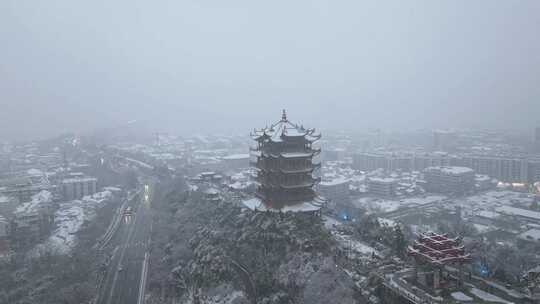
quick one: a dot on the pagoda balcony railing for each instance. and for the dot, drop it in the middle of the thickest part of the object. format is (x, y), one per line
(285, 168)
(304, 184)
(278, 152)
(287, 184)
(305, 169)
(285, 198)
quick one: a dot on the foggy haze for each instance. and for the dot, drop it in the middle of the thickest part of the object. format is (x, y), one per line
(215, 66)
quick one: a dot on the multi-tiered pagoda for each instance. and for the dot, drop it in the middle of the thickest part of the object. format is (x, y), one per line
(283, 159)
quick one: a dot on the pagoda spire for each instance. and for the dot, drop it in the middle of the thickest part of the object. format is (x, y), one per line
(284, 115)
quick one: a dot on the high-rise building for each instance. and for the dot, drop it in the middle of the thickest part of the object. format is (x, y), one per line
(534, 170)
(284, 164)
(444, 140)
(537, 139)
(78, 187)
(502, 168)
(401, 161)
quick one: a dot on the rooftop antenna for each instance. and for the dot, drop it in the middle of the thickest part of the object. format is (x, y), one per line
(284, 116)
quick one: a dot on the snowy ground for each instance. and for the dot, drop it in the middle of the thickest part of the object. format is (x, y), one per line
(330, 223)
(472, 205)
(483, 228)
(491, 200)
(460, 296)
(69, 219)
(348, 243)
(388, 222)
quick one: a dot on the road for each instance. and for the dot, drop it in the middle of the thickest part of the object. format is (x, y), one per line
(125, 278)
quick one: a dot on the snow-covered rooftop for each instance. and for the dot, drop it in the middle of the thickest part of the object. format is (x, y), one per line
(487, 214)
(488, 297)
(295, 154)
(519, 212)
(532, 234)
(69, 219)
(460, 296)
(211, 191)
(112, 189)
(389, 205)
(257, 205)
(451, 169)
(236, 156)
(285, 128)
(34, 172)
(482, 177)
(335, 181)
(78, 180)
(4, 199)
(385, 180)
(32, 206)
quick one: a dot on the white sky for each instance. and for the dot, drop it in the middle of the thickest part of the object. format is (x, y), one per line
(209, 65)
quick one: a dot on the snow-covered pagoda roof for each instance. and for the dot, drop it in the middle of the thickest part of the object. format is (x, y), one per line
(438, 249)
(284, 128)
(257, 204)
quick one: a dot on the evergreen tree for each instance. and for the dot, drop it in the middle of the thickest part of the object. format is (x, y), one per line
(399, 241)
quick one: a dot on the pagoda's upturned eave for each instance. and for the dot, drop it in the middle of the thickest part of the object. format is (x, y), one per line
(305, 170)
(315, 199)
(257, 164)
(284, 137)
(310, 154)
(297, 198)
(266, 184)
(307, 185)
(285, 171)
(281, 186)
(307, 135)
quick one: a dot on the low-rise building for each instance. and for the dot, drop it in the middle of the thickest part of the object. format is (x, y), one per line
(449, 179)
(335, 189)
(24, 192)
(519, 213)
(4, 227)
(212, 195)
(382, 186)
(33, 219)
(236, 161)
(483, 182)
(531, 236)
(4, 237)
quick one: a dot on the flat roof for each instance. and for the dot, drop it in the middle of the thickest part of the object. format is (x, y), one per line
(451, 169)
(335, 181)
(78, 179)
(382, 179)
(518, 211)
